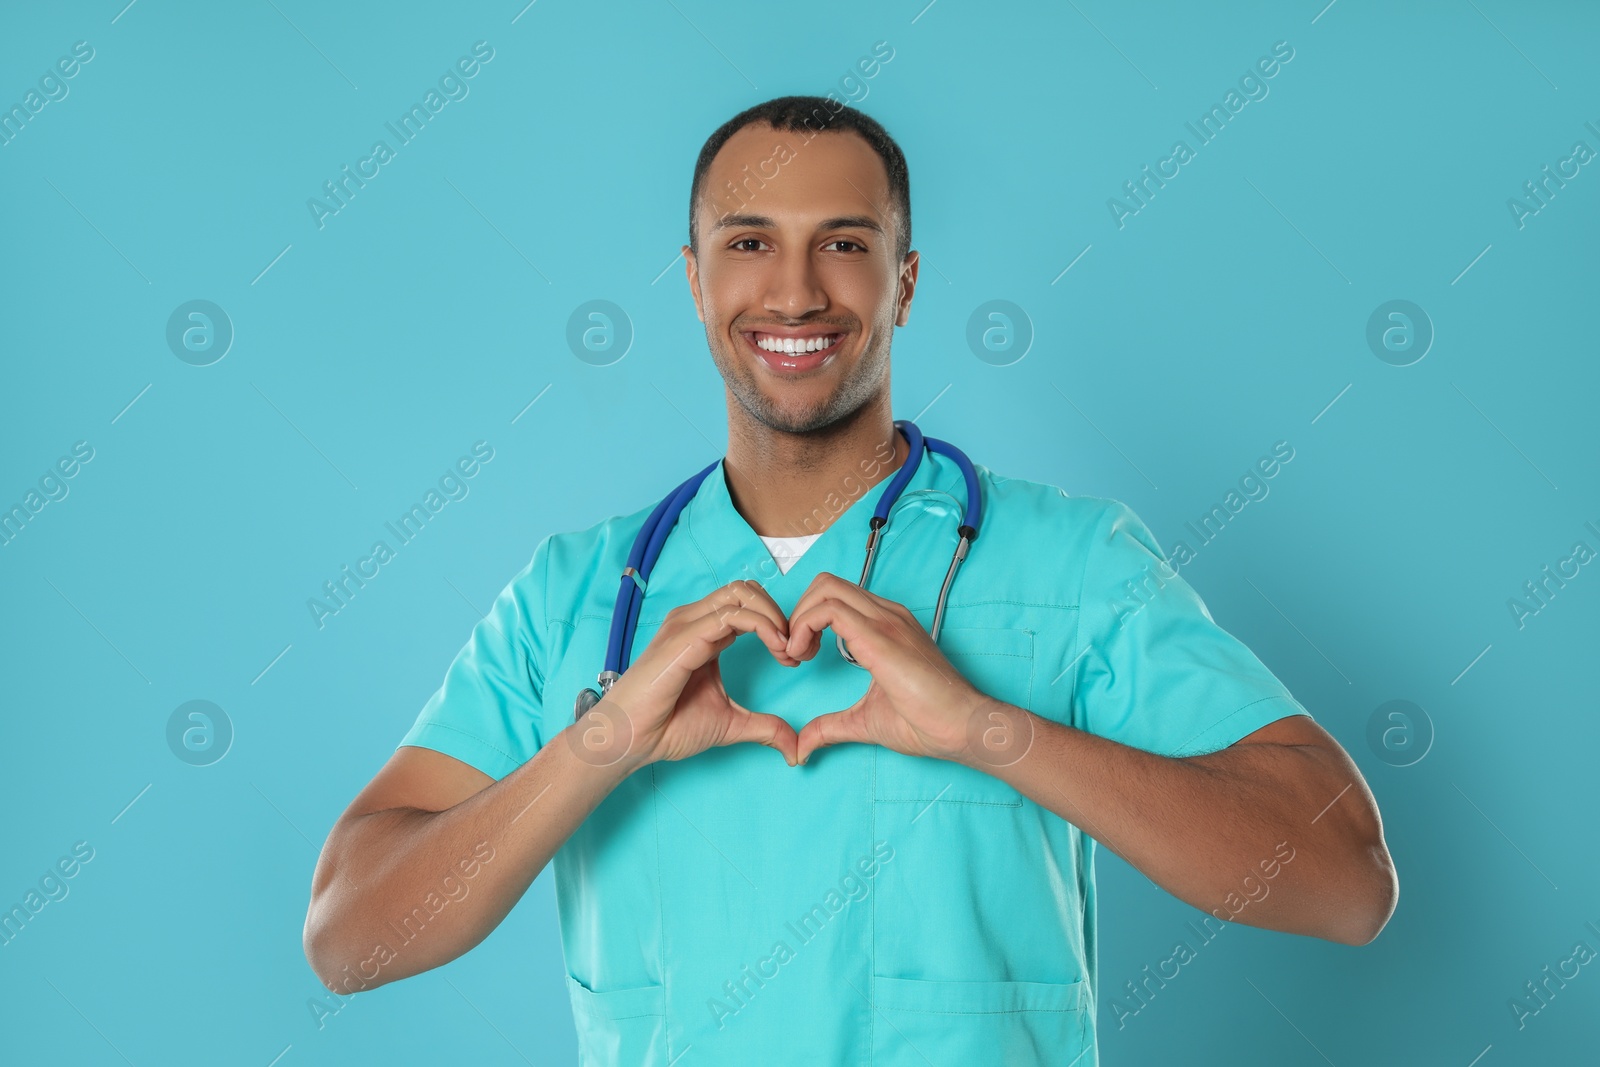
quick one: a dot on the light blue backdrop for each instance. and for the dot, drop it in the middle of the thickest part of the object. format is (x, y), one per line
(1166, 354)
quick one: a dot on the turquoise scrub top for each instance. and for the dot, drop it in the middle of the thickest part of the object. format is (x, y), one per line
(869, 907)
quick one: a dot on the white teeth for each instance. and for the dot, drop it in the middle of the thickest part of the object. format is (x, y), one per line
(795, 346)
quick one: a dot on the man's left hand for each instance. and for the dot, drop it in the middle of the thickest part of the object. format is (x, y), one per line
(916, 703)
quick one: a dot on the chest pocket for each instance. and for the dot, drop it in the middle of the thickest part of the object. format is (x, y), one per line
(998, 661)
(579, 654)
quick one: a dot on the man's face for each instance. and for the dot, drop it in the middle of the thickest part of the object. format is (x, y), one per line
(806, 257)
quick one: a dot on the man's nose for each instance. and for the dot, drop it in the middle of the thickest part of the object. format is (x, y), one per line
(795, 289)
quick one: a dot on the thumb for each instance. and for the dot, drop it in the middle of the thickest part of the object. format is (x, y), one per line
(763, 729)
(833, 728)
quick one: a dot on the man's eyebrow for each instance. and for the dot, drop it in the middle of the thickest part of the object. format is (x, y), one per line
(765, 222)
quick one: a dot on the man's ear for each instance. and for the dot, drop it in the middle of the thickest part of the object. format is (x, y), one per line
(906, 286)
(691, 271)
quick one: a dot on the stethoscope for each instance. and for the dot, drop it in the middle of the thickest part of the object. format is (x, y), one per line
(647, 548)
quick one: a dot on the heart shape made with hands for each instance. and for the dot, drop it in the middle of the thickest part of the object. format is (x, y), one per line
(916, 703)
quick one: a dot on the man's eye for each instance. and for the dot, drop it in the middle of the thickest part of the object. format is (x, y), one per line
(738, 245)
(843, 241)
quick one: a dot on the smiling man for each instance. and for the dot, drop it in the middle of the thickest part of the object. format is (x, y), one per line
(908, 877)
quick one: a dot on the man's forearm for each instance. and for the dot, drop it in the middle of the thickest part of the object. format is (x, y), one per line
(392, 895)
(1207, 828)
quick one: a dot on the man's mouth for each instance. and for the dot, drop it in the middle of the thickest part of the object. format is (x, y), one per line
(793, 352)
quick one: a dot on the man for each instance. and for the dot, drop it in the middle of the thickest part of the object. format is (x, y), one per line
(913, 883)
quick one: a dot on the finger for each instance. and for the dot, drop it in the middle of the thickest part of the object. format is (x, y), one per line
(764, 729)
(834, 728)
(824, 585)
(745, 593)
(811, 593)
(867, 602)
(762, 600)
(722, 628)
(843, 619)
(702, 640)
(807, 624)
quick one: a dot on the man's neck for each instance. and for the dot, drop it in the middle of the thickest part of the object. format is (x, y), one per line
(789, 485)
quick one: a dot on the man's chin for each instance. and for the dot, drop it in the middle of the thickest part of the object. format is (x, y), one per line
(785, 416)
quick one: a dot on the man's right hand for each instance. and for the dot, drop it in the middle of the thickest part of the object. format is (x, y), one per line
(426, 811)
(670, 703)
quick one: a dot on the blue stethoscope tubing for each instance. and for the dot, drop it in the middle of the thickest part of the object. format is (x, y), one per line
(653, 536)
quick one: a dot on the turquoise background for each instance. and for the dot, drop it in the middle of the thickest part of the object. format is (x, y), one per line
(1228, 314)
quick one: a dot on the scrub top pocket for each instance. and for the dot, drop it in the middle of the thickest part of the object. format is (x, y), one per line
(622, 1026)
(978, 955)
(1013, 1023)
(999, 663)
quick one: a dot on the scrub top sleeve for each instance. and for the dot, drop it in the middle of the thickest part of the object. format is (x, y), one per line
(1154, 671)
(489, 713)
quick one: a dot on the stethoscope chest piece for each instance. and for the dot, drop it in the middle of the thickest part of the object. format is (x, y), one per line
(588, 697)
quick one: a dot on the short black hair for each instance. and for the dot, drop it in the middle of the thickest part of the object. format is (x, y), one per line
(814, 115)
